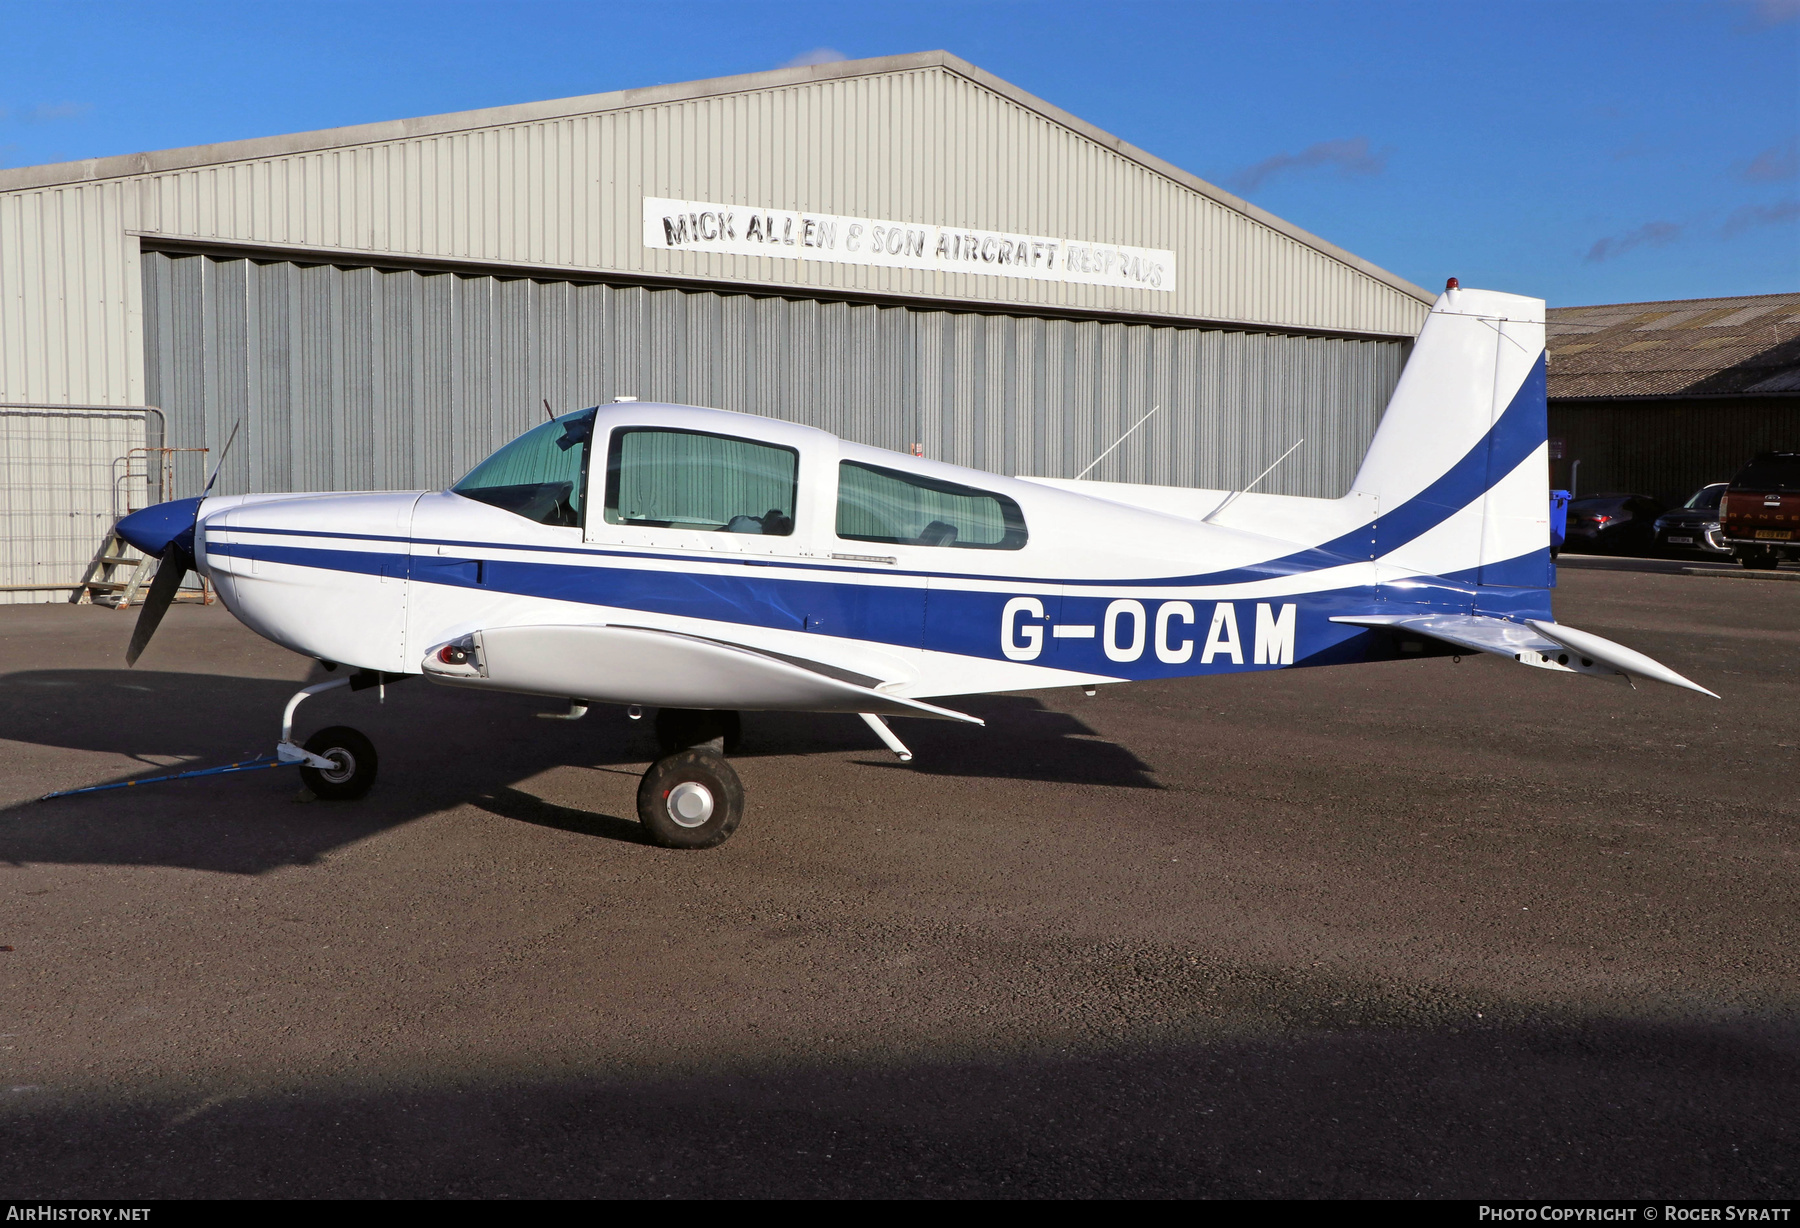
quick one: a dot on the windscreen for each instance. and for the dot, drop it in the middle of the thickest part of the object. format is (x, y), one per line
(541, 475)
(1770, 471)
(1706, 500)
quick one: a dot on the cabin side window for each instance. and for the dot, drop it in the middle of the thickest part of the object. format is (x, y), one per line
(905, 509)
(667, 479)
(541, 475)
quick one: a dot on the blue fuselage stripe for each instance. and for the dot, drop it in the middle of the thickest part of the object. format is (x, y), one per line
(941, 619)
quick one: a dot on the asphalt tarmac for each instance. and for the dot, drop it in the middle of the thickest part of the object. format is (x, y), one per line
(1421, 929)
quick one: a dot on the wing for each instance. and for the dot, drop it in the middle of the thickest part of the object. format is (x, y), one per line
(662, 669)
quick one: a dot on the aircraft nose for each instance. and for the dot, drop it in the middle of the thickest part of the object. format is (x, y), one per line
(154, 529)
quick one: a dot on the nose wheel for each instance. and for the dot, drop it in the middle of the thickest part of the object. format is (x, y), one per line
(353, 764)
(690, 800)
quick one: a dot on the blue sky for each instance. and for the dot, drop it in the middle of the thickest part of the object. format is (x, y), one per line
(1586, 151)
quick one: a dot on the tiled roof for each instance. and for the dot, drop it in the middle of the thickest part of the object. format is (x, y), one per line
(1696, 347)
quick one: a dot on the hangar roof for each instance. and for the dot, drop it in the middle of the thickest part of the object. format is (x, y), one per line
(1684, 347)
(564, 186)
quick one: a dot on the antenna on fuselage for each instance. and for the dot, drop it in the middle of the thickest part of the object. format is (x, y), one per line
(1259, 477)
(547, 412)
(1121, 439)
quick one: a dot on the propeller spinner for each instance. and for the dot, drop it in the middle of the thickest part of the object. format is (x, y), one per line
(165, 532)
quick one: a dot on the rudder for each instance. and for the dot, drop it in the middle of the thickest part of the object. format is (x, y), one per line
(1459, 466)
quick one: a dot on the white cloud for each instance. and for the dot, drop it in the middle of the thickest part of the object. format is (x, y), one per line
(1766, 13)
(1650, 234)
(1776, 163)
(1761, 215)
(50, 112)
(1351, 157)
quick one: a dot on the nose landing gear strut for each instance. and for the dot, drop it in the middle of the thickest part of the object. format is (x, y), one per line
(336, 764)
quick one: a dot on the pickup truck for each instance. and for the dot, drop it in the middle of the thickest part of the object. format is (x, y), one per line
(1759, 517)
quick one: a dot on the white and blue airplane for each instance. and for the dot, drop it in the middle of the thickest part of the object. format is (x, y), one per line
(706, 563)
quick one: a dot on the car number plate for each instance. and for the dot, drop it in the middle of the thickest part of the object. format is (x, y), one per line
(1681, 541)
(1779, 535)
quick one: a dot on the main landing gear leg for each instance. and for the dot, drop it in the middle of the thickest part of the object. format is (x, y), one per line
(881, 730)
(691, 798)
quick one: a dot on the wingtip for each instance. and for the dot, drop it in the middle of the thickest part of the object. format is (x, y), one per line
(1627, 661)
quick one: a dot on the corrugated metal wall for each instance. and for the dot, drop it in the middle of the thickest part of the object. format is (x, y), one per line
(1667, 449)
(563, 193)
(358, 378)
(65, 478)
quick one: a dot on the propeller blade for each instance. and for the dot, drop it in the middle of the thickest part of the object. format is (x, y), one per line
(226, 451)
(162, 594)
(164, 531)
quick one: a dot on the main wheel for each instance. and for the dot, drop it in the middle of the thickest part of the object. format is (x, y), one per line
(690, 800)
(1753, 559)
(354, 757)
(679, 729)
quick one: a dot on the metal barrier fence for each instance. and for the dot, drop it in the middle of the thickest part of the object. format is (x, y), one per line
(67, 473)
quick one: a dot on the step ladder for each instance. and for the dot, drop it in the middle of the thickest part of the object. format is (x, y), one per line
(105, 581)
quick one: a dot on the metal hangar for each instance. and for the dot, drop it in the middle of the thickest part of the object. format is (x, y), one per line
(909, 252)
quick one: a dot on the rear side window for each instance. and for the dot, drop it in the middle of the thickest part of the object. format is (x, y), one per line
(905, 509)
(692, 480)
(1770, 471)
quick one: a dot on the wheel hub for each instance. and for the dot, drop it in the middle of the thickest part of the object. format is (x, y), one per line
(345, 765)
(690, 803)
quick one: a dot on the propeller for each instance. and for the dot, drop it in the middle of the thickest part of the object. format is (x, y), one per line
(229, 440)
(165, 531)
(169, 575)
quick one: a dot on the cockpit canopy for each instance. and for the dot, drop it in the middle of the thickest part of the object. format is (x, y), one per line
(679, 477)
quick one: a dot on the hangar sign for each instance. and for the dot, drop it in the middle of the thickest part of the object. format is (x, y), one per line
(790, 234)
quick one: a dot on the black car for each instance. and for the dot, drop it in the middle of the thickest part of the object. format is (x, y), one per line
(1693, 528)
(1612, 524)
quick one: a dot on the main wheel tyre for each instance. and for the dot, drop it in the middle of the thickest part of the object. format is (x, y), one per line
(679, 729)
(354, 757)
(1754, 561)
(690, 800)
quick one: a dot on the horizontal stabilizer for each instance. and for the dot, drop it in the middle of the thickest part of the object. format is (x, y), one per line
(1476, 632)
(661, 669)
(1544, 645)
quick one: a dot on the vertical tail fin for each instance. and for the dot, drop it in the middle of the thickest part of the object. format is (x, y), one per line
(1459, 465)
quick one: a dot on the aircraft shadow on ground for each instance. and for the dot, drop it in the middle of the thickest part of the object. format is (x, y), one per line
(439, 748)
(1605, 1109)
